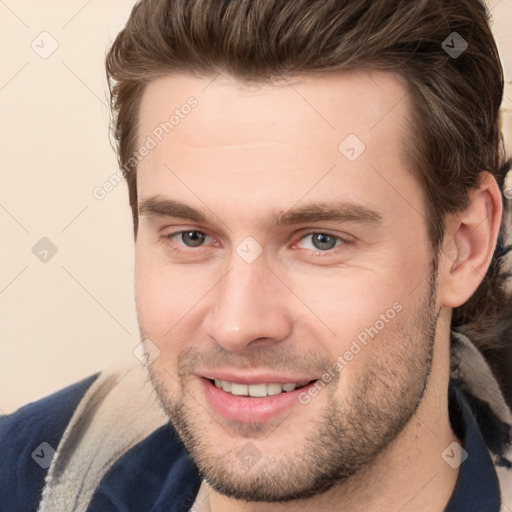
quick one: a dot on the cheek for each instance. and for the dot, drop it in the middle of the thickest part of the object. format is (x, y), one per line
(363, 311)
(350, 300)
(163, 293)
(172, 302)
(159, 309)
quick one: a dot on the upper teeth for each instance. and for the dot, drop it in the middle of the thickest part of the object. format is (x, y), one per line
(255, 390)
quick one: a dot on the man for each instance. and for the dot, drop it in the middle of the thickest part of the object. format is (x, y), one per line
(317, 199)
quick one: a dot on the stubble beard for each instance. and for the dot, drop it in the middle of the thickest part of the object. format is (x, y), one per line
(350, 431)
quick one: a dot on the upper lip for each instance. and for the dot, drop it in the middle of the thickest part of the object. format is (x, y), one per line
(254, 378)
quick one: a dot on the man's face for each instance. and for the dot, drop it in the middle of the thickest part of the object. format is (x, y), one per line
(308, 264)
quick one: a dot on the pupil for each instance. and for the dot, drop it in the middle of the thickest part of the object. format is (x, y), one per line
(192, 238)
(322, 241)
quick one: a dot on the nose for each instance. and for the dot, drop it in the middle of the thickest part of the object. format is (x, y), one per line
(249, 307)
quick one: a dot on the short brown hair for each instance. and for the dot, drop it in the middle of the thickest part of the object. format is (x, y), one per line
(456, 99)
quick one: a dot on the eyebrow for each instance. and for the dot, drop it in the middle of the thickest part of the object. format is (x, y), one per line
(309, 213)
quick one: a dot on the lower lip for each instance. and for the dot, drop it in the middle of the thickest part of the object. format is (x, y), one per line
(248, 409)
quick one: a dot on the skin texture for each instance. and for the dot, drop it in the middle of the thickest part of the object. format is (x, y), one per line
(244, 153)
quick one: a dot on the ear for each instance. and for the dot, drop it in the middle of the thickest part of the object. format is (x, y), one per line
(469, 243)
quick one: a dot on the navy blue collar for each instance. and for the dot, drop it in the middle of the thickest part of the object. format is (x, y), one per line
(158, 475)
(477, 488)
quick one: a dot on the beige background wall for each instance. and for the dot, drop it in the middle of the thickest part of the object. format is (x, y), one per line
(74, 314)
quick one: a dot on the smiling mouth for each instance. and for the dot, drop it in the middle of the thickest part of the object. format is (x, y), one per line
(258, 390)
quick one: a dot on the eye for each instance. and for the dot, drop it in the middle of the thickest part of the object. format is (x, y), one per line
(190, 238)
(313, 241)
(320, 241)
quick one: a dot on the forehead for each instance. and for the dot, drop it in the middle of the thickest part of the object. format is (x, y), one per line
(278, 138)
(332, 104)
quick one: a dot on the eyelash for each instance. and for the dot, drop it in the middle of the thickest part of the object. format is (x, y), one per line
(320, 252)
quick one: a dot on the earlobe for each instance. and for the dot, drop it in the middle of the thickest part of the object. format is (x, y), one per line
(470, 242)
